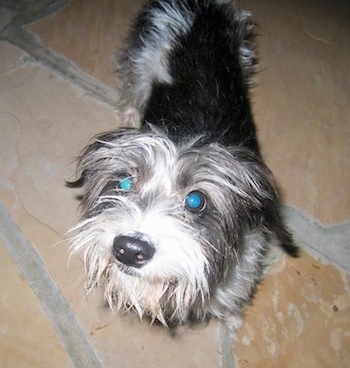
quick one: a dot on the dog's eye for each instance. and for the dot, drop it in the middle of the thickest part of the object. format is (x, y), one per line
(195, 201)
(126, 183)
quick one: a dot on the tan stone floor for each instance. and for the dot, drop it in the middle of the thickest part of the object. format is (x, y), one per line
(56, 92)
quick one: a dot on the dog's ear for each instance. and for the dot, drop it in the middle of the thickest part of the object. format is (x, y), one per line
(79, 183)
(89, 158)
(253, 179)
(259, 195)
(82, 169)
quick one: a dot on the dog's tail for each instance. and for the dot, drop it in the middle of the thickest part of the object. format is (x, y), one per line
(159, 29)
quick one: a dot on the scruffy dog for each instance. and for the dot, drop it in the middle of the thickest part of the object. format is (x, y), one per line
(178, 214)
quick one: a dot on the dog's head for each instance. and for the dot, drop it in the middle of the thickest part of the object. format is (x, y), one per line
(162, 223)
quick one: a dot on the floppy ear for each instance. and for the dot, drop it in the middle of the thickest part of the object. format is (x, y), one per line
(253, 178)
(82, 170)
(79, 183)
(261, 197)
(93, 153)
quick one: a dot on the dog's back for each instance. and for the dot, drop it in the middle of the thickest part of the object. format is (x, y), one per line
(186, 67)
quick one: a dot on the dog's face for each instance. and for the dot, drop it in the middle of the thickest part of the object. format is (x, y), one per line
(163, 224)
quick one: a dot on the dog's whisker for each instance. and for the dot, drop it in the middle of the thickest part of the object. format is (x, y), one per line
(59, 242)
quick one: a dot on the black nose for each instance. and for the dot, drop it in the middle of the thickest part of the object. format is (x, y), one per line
(132, 251)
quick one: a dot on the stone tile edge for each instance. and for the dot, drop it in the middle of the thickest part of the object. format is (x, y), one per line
(53, 302)
(23, 13)
(328, 243)
(226, 342)
(60, 65)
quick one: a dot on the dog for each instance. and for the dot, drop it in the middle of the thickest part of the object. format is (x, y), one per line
(178, 209)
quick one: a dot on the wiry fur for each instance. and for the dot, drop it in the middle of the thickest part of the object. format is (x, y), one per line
(155, 33)
(205, 262)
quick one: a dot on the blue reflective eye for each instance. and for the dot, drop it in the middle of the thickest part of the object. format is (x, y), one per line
(195, 201)
(126, 184)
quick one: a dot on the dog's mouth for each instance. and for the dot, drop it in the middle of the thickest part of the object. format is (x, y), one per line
(151, 279)
(130, 271)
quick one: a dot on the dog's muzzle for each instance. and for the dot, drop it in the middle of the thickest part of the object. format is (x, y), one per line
(132, 251)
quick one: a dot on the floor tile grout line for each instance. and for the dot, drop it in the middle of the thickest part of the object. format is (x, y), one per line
(15, 33)
(25, 12)
(59, 64)
(226, 343)
(328, 243)
(53, 302)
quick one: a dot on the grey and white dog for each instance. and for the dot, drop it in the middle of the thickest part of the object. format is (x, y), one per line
(179, 213)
